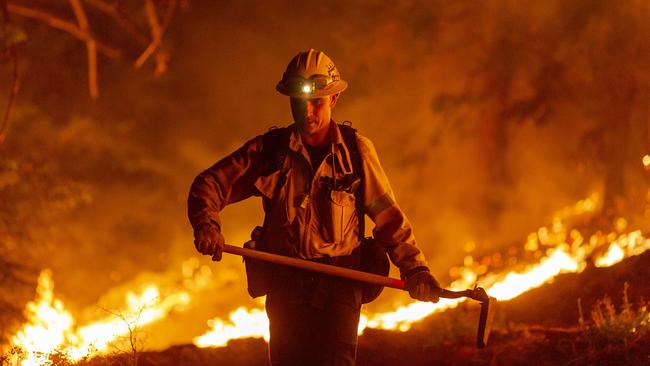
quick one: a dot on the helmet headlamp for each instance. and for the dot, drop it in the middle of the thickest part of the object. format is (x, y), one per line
(307, 85)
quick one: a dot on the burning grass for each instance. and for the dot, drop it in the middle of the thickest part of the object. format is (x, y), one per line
(614, 335)
(534, 315)
(614, 332)
(448, 339)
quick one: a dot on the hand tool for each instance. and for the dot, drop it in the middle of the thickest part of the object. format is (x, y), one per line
(488, 303)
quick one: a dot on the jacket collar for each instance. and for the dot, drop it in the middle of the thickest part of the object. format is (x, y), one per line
(341, 151)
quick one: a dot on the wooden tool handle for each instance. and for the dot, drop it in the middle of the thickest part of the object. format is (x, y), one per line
(477, 294)
(316, 267)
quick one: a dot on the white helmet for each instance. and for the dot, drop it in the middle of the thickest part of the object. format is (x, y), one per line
(311, 74)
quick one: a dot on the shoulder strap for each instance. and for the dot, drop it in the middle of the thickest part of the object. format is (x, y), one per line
(349, 137)
(374, 258)
(275, 145)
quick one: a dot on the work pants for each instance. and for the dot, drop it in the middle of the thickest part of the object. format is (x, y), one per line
(314, 321)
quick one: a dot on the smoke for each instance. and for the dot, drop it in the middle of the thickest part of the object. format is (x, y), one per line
(487, 118)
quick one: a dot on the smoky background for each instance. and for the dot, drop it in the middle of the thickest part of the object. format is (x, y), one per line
(487, 117)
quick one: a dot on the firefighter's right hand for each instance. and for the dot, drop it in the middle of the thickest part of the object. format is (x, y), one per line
(209, 241)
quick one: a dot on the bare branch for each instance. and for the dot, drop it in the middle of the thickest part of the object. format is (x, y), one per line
(157, 31)
(132, 323)
(91, 47)
(163, 57)
(63, 25)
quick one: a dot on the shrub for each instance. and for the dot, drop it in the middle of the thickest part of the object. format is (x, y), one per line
(610, 327)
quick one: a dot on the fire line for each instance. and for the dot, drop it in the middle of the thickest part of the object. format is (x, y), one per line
(50, 327)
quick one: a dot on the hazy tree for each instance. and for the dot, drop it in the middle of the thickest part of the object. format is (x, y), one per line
(140, 37)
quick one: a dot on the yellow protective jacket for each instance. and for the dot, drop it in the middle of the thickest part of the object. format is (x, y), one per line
(303, 218)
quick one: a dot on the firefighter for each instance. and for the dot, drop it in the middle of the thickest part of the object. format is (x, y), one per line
(317, 180)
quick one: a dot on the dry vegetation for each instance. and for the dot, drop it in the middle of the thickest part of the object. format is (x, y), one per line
(616, 331)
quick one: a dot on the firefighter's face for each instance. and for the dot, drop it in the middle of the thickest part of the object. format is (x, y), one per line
(313, 115)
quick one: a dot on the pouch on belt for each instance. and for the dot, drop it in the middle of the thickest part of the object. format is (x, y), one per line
(257, 271)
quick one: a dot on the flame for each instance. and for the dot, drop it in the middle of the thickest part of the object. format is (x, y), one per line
(566, 253)
(546, 253)
(51, 328)
(143, 309)
(243, 324)
(48, 326)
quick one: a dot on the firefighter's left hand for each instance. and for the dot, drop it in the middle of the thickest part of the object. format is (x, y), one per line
(423, 286)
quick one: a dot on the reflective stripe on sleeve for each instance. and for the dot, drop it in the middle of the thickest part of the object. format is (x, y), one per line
(379, 204)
